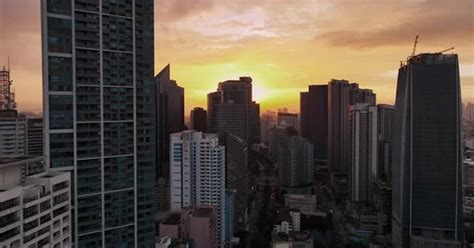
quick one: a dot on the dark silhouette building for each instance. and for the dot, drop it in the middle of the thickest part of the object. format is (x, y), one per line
(169, 116)
(384, 129)
(427, 154)
(314, 121)
(293, 158)
(232, 111)
(341, 95)
(237, 175)
(199, 119)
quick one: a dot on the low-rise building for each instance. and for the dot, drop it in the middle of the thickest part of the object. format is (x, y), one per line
(198, 225)
(292, 239)
(307, 204)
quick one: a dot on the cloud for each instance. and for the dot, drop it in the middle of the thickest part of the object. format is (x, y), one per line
(172, 10)
(436, 21)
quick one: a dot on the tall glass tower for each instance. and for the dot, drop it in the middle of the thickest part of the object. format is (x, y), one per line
(426, 166)
(98, 94)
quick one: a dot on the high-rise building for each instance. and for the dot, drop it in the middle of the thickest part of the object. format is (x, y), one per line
(293, 156)
(237, 174)
(7, 95)
(385, 127)
(363, 123)
(314, 121)
(288, 120)
(197, 176)
(341, 95)
(231, 110)
(170, 116)
(199, 119)
(34, 207)
(99, 116)
(12, 134)
(34, 137)
(162, 194)
(267, 121)
(427, 154)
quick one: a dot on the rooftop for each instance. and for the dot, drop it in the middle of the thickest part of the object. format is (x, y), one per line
(293, 236)
(203, 212)
(172, 219)
(6, 162)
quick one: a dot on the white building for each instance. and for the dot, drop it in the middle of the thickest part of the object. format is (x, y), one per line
(12, 134)
(197, 173)
(363, 121)
(34, 210)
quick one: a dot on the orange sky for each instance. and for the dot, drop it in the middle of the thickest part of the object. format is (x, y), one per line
(284, 45)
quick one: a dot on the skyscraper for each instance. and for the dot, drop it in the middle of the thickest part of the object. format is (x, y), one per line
(363, 123)
(199, 119)
(99, 115)
(232, 111)
(314, 120)
(197, 176)
(293, 157)
(341, 95)
(170, 116)
(237, 174)
(427, 158)
(385, 126)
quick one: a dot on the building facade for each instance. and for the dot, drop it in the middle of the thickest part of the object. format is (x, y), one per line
(385, 126)
(427, 154)
(99, 115)
(288, 120)
(170, 116)
(314, 121)
(13, 134)
(199, 119)
(197, 175)
(363, 121)
(293, 157)
(306, 204)
(237, 174)
(341, 95)
(34, 208)
(34, 137)
(232, 111)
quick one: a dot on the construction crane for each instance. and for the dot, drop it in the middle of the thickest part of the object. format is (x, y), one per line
(445, 50)
(414, 46)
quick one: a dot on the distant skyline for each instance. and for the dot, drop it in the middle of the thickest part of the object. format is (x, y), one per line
(283, 45)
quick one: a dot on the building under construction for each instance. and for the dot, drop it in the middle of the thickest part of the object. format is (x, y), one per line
(7, 96)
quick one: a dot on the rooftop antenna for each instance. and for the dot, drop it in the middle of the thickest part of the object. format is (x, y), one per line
(8, 62)
(414, 46)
